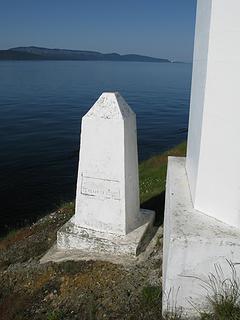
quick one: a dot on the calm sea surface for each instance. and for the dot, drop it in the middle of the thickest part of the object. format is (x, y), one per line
(41, 105)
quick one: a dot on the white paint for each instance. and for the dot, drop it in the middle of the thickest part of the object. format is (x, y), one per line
(134, 248)
(108, 218)
(193, 244)
(213, 156)
(72, 236)
(108, 187)
(202, 211)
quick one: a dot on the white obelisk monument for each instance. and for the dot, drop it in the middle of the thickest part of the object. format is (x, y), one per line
(202, 212)
(108, 219)
(108, 187)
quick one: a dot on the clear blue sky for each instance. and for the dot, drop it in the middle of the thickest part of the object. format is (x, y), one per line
(159, 28)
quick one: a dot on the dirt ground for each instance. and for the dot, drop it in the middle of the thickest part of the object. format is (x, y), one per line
(74, 290)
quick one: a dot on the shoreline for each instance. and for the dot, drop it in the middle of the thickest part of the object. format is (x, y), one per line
(152, 178)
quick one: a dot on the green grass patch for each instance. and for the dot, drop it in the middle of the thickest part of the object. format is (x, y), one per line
(152, 172)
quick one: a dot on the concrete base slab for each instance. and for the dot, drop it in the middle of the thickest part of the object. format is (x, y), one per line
(77, 243)
(194, 244)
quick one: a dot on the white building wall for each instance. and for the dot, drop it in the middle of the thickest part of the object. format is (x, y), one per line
(199, 75)
(213, 159)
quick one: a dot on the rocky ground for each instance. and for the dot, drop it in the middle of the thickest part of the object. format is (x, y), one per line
(74, 290)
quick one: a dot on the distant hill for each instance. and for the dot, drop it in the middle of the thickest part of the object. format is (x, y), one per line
(37, 53)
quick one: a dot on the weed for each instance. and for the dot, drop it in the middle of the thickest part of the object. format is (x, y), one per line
(173, 316)
(223, 295)
(172, 312)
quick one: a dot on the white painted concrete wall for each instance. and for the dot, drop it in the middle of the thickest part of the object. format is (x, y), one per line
(213, 144)
(200, 59)
(194, 243)
(107, 188)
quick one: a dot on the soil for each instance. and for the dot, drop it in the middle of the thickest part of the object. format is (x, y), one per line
(74, 290)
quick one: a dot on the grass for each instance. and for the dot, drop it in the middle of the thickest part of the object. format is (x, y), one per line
(55, 315)
(152, 173)
(173, 312)
(173, 316)
(66, 207)
(14, 236)
(151, 294)
(223, 295)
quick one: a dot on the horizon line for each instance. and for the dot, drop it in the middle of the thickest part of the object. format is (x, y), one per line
(113, 52)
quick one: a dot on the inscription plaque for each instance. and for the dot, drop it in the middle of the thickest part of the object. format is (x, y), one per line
(100, 188)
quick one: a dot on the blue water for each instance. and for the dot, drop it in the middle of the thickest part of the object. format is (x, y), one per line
(41, 105)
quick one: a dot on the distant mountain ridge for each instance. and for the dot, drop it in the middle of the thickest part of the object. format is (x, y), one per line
(38, 53)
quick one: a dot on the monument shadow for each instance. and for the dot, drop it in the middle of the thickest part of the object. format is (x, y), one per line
(156, 203)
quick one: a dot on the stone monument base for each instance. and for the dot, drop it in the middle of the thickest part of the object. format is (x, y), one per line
(77, 243)
(194, 244)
